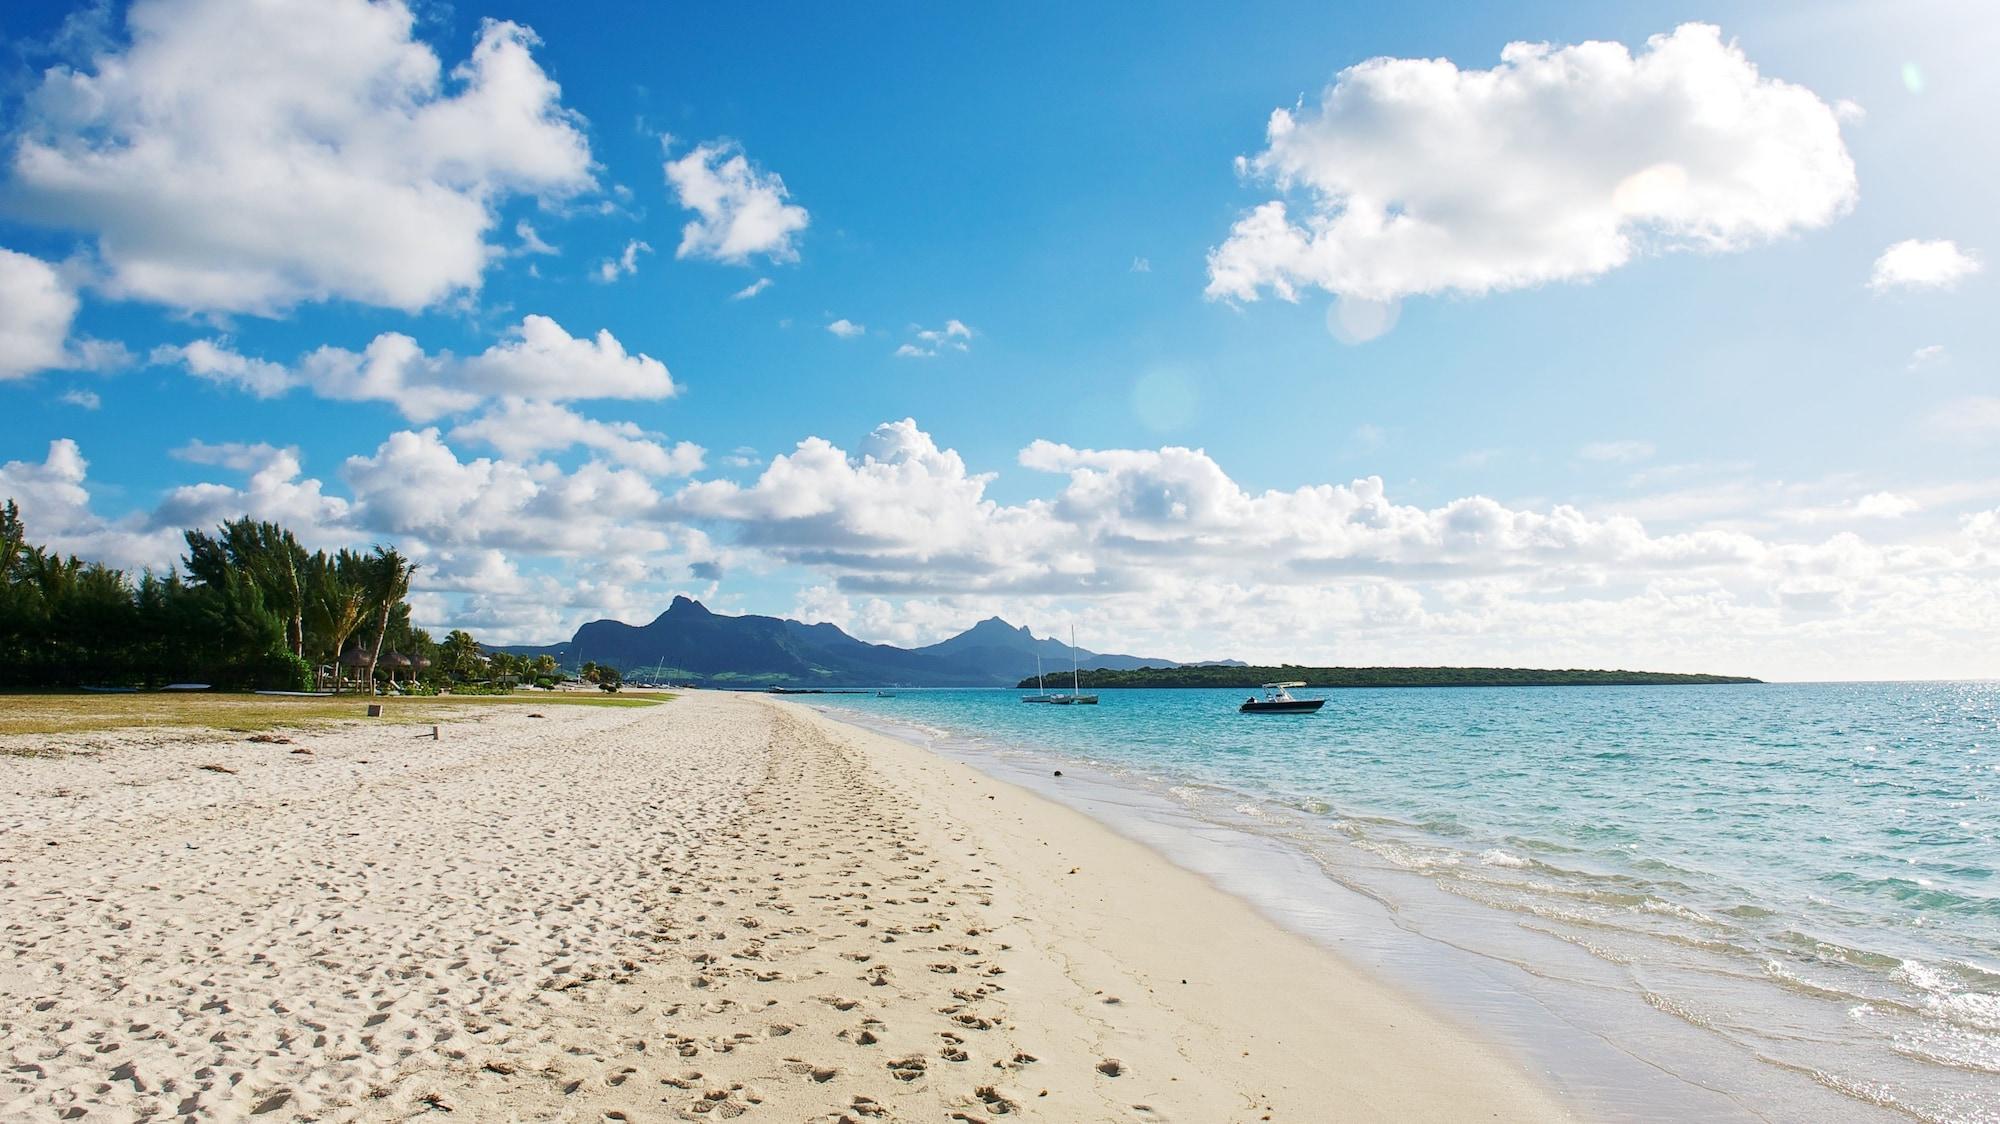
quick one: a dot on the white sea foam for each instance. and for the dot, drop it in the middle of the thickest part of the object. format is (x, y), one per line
(1498, 857)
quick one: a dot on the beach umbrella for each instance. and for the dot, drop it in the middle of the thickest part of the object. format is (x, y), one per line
(354, 659)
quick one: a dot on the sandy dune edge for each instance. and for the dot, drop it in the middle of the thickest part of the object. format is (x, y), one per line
(722, 907)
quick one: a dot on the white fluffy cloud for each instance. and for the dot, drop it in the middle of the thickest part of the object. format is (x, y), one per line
(36, 308)
(245, 157)
(212, 360)
(846, 329)
(274, 490)
(928, 342)
(522, 429)
(597, 538)
(537, 359)
(54, 497)
(902, 511)
(1918, 264)
(740, 211)
(624, 265)
(414, 485)
(1560, 163)
(1159, 551)
(1167, 554)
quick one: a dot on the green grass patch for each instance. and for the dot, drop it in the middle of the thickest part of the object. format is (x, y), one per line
(247, 713)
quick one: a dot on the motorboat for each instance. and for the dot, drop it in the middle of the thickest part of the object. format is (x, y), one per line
(1278, 700)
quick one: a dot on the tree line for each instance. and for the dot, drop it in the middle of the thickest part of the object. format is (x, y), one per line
(247, 607)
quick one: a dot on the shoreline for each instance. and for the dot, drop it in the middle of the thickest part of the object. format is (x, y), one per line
(1330, 1007)
(1607, 1050)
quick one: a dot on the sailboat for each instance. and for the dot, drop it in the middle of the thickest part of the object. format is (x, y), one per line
(1040, 695)
(1075, 697)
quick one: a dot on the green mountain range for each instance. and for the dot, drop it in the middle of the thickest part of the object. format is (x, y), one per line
(690, 644)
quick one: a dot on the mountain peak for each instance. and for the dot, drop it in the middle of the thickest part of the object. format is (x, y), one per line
(683, 604)
(996, 624)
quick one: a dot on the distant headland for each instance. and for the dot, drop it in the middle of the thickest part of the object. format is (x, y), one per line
(1329, 677)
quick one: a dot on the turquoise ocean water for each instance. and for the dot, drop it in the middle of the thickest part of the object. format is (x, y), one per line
(1774, 902)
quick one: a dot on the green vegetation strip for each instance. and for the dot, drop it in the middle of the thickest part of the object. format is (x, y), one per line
(245, 713)
(1240, 678)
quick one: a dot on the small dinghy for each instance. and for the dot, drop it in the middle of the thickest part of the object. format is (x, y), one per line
(1278, 700)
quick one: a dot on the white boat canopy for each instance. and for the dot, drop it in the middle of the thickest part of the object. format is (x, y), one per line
(1282, 686)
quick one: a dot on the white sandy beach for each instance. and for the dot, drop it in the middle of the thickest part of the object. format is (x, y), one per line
(723, 906)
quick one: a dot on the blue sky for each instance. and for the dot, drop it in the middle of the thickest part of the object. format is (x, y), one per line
(1750, 439)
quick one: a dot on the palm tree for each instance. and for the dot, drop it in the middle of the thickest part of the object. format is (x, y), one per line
(389, 574)
(459, 655)
(338, 602)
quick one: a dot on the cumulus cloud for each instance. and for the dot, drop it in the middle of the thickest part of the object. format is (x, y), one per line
(929, 342)
(903, 516)
(846, 329)
(625, 264)
(275, 490)
(1918, 264)
(81, 398)
(536, 359)
(1170, 554)
(740, 211)
(522, 429)
(751, 290)
(1560, 163)
(214, 361)
(54, 498)
(900, 506)
(1159, 549)
(414, 485)
(37, 307)
(1983, 526)
(518, 551)
(247, 157)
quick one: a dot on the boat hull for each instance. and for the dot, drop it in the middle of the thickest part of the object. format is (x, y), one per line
(1289, 706)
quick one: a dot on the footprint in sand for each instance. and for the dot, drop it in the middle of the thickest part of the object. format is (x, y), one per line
(909, 1068)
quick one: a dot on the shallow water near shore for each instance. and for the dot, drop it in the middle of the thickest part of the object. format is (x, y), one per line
(1774, 901)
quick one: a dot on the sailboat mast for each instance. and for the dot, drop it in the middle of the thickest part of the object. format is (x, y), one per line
(1073, 680)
